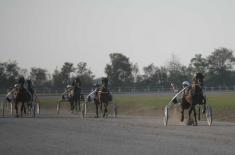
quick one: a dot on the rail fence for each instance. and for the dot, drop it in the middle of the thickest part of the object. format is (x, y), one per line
(125, 90)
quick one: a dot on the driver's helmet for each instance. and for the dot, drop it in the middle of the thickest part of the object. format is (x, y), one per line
(16, 85)
(185, 84)
(68, 86)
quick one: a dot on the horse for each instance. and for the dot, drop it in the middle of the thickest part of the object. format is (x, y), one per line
(102, 98)
(192, 96)
(31, 94)
(21, 95)
(73, 95)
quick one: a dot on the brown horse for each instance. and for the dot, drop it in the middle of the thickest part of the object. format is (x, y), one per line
(192, 96)
(102, 98)
(73, 95)
(21, 96)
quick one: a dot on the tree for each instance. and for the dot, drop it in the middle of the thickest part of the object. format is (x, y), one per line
(66, 71)
(221, 60)
(61, 78)
(198, 64)
(11, 72)
(221, 63)
(135, 72)
(38, 76)
(120, 70)
(149, 71)
(177, 72)
(3, 79)
(57, 79)
(86, 76)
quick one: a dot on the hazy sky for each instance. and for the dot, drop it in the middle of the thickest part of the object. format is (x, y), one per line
(46, 33)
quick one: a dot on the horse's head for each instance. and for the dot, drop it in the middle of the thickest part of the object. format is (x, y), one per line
(198, 79)
(29, 83)
(21, 80)
(77, 82)
(105, 81)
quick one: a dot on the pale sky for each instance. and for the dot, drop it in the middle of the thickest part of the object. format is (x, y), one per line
(47, 33)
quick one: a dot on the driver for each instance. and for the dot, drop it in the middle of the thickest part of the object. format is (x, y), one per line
(187, 87)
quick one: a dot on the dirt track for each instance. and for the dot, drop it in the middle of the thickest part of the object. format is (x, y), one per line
(69, 134)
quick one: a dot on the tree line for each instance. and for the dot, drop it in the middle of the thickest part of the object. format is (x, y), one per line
(218, 68)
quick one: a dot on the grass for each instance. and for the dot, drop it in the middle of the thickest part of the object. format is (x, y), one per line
(223, 105)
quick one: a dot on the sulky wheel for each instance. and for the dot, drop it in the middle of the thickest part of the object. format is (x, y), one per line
(58, 108)
(83, 109)
(115, 110)
(3, 109)
(36, 109)
(166, 115)
(209, 115)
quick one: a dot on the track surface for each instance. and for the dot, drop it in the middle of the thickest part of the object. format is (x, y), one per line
(69, 134)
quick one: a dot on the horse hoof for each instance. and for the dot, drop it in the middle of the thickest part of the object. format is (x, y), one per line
(189, 122)
(203, 111)
(195, 124)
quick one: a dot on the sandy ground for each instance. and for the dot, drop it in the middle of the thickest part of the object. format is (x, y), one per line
(69, 134)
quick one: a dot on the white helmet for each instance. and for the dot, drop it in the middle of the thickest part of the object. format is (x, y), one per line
(68, 86)
(16, 85)
(186, 84)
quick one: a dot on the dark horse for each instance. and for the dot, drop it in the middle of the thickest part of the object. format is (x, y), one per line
(192, 96)
(102, 97)
(31, 94)
(73, 94)
(21, 95)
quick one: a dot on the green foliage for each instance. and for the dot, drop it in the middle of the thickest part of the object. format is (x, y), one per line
(120, 70)
(9, 72)
(220, 65)
(38, 76)
(198, 64)
(68, 72)
(85, 74)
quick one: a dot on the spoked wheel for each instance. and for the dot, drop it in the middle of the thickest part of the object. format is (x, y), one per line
(166, 115)
(83, 109)
(36, 109)
(11, 108)
(58, 108)
(3, 108)
(199, 113)
(209, 115)
(115, 110)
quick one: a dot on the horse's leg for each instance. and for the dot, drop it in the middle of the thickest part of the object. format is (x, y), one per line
(71, 105)
(21, 109)
(105, 108)
(96, 107)
(16, 108)
(204, 105)
(75, 105)
(79, 104)
(182, 114)
(24, 108)
(189, 114)
(195, 116)
(101, 104)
